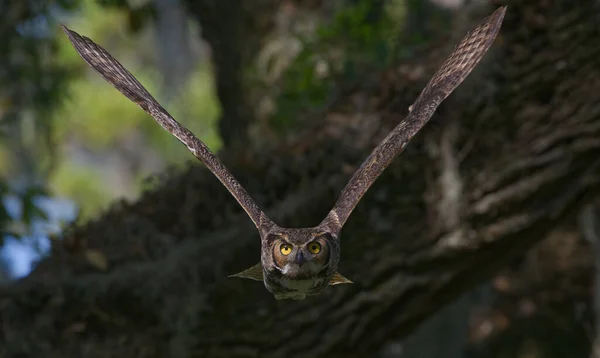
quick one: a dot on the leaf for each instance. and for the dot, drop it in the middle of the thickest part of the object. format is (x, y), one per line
(30, 210)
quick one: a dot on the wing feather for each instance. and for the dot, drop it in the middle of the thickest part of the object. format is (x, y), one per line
(113, 72)
(451, 73)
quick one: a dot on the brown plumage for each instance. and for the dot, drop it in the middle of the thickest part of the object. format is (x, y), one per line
(299, 262)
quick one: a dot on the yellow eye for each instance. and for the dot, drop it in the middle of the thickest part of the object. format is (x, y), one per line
(285, 249)
(314, 247)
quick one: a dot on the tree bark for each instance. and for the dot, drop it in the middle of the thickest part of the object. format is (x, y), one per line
(506, 158)
(590, 230)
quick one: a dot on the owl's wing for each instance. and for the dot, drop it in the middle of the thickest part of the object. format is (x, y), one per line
(453, 71)
(112, 71)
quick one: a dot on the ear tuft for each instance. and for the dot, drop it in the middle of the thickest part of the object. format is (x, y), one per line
(253, 273)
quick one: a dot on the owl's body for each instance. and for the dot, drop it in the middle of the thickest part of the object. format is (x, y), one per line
(296, 263)
(283, 287)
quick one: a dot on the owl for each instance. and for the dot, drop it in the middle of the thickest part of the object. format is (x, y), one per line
(300, 262)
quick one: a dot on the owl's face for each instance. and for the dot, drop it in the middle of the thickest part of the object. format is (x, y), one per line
(298, 262)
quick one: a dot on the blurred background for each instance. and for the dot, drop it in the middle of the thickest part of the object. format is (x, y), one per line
(71, 146)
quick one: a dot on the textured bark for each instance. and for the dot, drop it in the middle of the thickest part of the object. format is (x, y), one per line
(590, 229)
(510, 155)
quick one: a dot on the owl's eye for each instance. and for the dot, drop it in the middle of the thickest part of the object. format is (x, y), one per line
(314, 247)
(285, 249)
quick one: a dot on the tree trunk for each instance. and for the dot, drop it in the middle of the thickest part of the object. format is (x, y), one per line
(590, 228)
(233, 29)
(445, 334)
(510, 155)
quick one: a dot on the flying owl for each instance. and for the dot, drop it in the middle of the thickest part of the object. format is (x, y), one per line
(300, 262)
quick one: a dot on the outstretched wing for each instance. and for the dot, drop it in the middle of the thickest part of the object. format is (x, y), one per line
(127, 84)
(453, 71)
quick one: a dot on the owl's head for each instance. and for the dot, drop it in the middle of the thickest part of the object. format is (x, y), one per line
(296, 263)
(300, 253)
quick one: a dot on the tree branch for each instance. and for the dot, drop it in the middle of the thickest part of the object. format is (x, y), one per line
(534, 129)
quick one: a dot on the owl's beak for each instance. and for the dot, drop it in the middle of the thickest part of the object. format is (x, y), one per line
(300, 259)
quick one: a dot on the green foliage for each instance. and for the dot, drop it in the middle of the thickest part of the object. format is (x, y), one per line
(101, 121)
(32, 85)
(84, 185)
(304, 89)
(77, 113)
(5, 218)
(358, 30)
(357, 40)
(29, 212)
(30, 79)
(139, 13)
